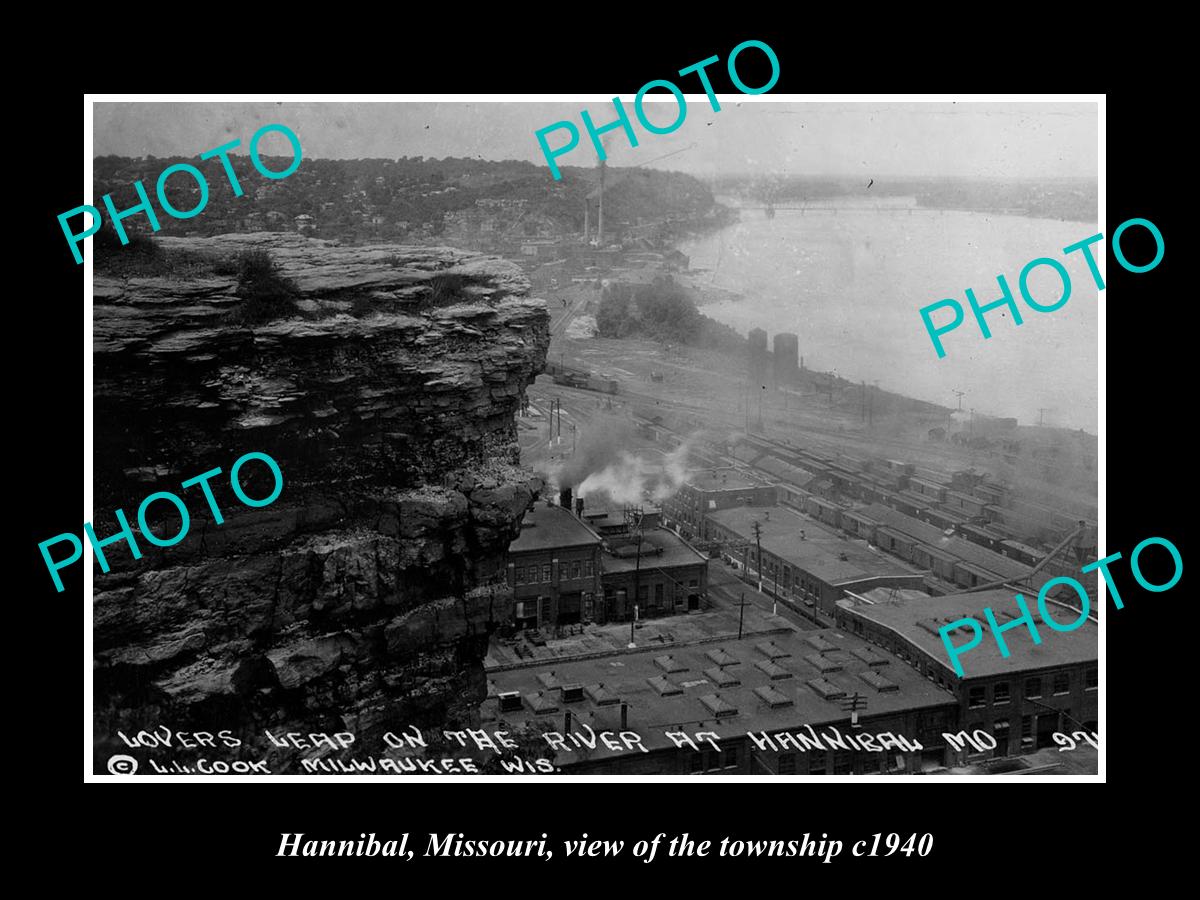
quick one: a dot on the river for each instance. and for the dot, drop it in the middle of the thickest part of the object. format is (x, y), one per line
(850, 283)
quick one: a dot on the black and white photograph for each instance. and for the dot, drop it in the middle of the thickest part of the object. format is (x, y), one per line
(510, 438)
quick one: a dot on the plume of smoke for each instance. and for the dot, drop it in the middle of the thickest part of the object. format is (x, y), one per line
(605, 465)
(633, 479)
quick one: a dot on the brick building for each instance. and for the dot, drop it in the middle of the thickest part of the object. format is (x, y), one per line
(749, 693)
(1020, 700)
(801, 561)
(554, 568)
(668, 577)
(709, 490)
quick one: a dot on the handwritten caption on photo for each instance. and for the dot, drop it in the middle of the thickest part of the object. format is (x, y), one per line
(435, 761)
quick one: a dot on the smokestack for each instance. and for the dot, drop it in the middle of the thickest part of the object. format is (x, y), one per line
(624, 716)
(579, 507)
(564, 498)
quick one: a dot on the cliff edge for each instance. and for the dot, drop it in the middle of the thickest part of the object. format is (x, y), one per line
(362, 598)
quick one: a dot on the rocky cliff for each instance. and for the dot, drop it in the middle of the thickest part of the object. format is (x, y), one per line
(361, 599)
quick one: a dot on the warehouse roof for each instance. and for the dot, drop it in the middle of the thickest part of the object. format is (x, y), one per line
(918, 621)
(821, 554)
(751, 697)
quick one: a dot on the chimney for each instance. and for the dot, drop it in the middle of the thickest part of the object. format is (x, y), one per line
(579, 507)
(564, 498)
(624, 716)
(567, 722)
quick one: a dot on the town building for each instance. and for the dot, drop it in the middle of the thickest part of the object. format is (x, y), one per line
(802, 563)
(554, 568)
(757, 697)
(654, 570)
(709, 490)
(571, 566)
(1020, 700)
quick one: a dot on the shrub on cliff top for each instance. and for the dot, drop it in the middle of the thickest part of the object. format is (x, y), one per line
(446, 289)
(266, 294)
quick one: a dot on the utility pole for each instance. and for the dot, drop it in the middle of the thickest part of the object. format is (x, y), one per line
(741, 614)
(637, 572)
(559, 404)
(959, 395)
(1041, 410)
(852, 705)
(600, 217)
(758, 552)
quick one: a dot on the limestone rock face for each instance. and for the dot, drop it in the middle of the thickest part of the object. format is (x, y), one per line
(361, 599)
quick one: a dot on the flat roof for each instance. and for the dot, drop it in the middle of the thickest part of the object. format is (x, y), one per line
(551, 526)
(818, 554)
(726, 478)
(918, 620)
(675, 552)
(629, 676)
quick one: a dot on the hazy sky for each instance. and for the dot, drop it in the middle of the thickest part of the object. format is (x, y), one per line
(748, 135)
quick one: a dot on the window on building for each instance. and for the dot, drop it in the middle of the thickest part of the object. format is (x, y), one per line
(816, 764)
(843, 762)
(1062, 682)
(696, 762)
(1091, 679)
(976, 697)
(1033, 688)
(1000, 693)
(695, 582)
(588, 568)
(1026, 732)
(519, 574)
(546, 573)
(1000, 733)
(526, 609)
(787, 764)
(731, 758)
(658, 594)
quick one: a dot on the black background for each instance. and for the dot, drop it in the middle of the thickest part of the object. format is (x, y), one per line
(126, 831)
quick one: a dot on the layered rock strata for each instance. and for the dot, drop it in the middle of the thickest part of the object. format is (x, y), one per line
(362, 598)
